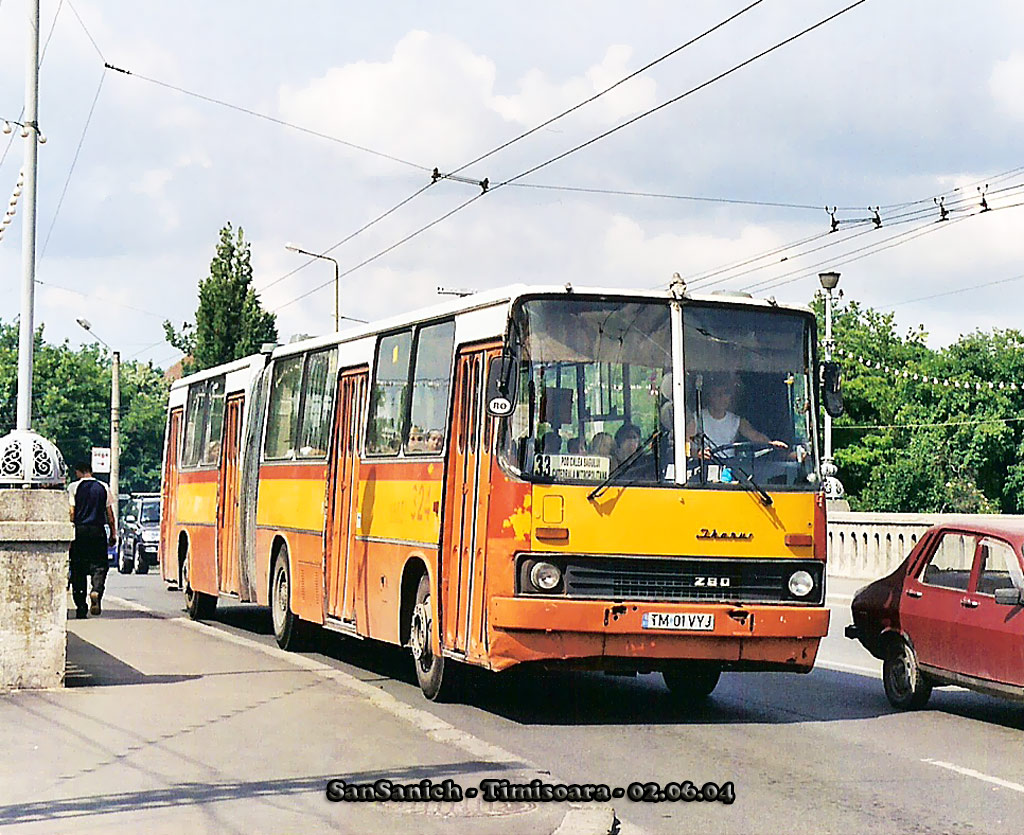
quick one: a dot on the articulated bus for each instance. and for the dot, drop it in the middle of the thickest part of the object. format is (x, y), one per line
(600, 479)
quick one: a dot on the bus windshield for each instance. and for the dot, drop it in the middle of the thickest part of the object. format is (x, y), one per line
(749, 397)
(592, 389)
(596, 394)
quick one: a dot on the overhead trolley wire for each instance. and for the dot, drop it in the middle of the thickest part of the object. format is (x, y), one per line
(618, 83)
(453, 174)
(586, 144)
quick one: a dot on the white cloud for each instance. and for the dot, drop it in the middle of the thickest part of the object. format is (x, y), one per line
(540, 98)
(1006, 84)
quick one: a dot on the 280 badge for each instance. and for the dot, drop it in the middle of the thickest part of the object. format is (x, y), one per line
(686, 791)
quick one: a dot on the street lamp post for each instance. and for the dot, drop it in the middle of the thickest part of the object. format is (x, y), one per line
(293, 248)
(833, 486)
(115, 413)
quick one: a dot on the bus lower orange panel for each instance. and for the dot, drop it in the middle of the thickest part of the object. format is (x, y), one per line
(202, 549)
(785, 636)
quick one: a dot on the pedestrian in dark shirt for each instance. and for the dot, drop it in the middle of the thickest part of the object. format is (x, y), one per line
(92, 506)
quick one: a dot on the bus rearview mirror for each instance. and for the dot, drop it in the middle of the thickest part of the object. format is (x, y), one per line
(501, 386)
(832, 388)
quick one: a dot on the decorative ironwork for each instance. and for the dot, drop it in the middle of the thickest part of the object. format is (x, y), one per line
(28, 459)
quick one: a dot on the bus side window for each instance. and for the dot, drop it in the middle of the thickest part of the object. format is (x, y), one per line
(388, 394)
(283, 409)
(430, 382)
(214, 422)
(195, 425)
(317, 400)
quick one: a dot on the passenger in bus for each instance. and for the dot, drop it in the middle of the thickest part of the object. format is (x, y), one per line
(602, 444)
(721, 425)
(627, 439)
(435, 440)
(416, 442)
(551, 443)
(574, 446)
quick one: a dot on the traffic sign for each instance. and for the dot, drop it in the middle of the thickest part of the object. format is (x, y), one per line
(101, 459)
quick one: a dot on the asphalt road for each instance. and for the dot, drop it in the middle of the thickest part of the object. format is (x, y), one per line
(822, 752)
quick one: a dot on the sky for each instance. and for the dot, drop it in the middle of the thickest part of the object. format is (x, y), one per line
(891, 104)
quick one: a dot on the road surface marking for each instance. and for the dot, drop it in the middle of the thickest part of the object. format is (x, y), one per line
(970, 772)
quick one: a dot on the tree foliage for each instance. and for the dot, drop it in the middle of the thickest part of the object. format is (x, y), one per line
(911, 445)
(71, 405)
(230, 321)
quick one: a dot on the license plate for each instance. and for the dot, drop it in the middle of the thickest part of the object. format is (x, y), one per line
(683, 621)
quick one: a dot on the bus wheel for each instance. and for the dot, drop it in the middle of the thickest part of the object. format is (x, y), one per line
(906, 686)
(287, 627)
(200, 606)
(691, 683)
(435, 677)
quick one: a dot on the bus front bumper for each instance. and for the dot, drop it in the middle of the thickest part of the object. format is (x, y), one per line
(755, 637)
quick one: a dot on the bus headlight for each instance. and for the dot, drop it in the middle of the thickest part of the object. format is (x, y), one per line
(545, 576)
(800, 583)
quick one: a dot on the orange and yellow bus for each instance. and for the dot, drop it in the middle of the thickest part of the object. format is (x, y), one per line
(611, 480)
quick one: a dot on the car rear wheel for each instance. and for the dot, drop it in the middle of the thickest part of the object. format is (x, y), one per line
(124, 565)
(906, 687)
(691, 683)
(141, 565)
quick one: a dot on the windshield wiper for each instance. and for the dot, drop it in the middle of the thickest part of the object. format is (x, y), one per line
(623, 465)
(746, 479)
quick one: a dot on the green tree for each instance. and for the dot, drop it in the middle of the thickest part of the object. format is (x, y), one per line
(71, 404)
(230, 321)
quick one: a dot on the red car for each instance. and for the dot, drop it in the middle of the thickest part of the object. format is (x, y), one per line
(952, 613)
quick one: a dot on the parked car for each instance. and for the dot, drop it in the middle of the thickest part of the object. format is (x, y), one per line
(952, 613)
(139, 538)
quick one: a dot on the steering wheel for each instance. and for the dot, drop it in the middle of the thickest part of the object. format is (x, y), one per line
(754, 450)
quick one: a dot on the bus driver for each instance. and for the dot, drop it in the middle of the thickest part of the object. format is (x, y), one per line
(722, 426)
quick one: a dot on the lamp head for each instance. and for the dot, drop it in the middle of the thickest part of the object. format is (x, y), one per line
(85, 323)
(828, 280)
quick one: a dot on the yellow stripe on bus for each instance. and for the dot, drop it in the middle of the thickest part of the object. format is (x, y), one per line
(197, 502)
(291, 503)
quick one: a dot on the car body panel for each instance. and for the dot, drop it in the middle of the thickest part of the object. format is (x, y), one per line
(960, 635)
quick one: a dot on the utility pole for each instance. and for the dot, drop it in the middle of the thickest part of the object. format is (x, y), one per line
(115, 427)
(26, 332)
(833, 486)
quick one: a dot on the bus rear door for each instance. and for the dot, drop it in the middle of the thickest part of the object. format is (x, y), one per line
(227, 506)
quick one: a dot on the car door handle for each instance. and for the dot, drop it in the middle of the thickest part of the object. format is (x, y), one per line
(967, 603)
(912, 593)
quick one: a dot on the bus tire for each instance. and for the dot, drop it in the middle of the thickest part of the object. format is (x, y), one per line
(906, 687)
(435, 674)
(288, 629)
(200, 606)
(691, 683)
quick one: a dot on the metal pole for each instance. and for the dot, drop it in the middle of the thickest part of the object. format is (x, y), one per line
(115, 427)
(337, 317)
(828, 358)
(26, 333)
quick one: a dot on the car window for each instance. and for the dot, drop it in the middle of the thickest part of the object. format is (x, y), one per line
(950, 565)
(150, 512)
(1000, 568)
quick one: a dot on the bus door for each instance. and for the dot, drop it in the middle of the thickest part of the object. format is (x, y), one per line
(169, 500)
(464, 537)
(339, 570)
(227, 506)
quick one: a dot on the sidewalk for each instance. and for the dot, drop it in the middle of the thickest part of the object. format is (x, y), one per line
(168, 726)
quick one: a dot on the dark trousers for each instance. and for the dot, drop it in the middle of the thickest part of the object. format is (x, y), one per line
(88, 559)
